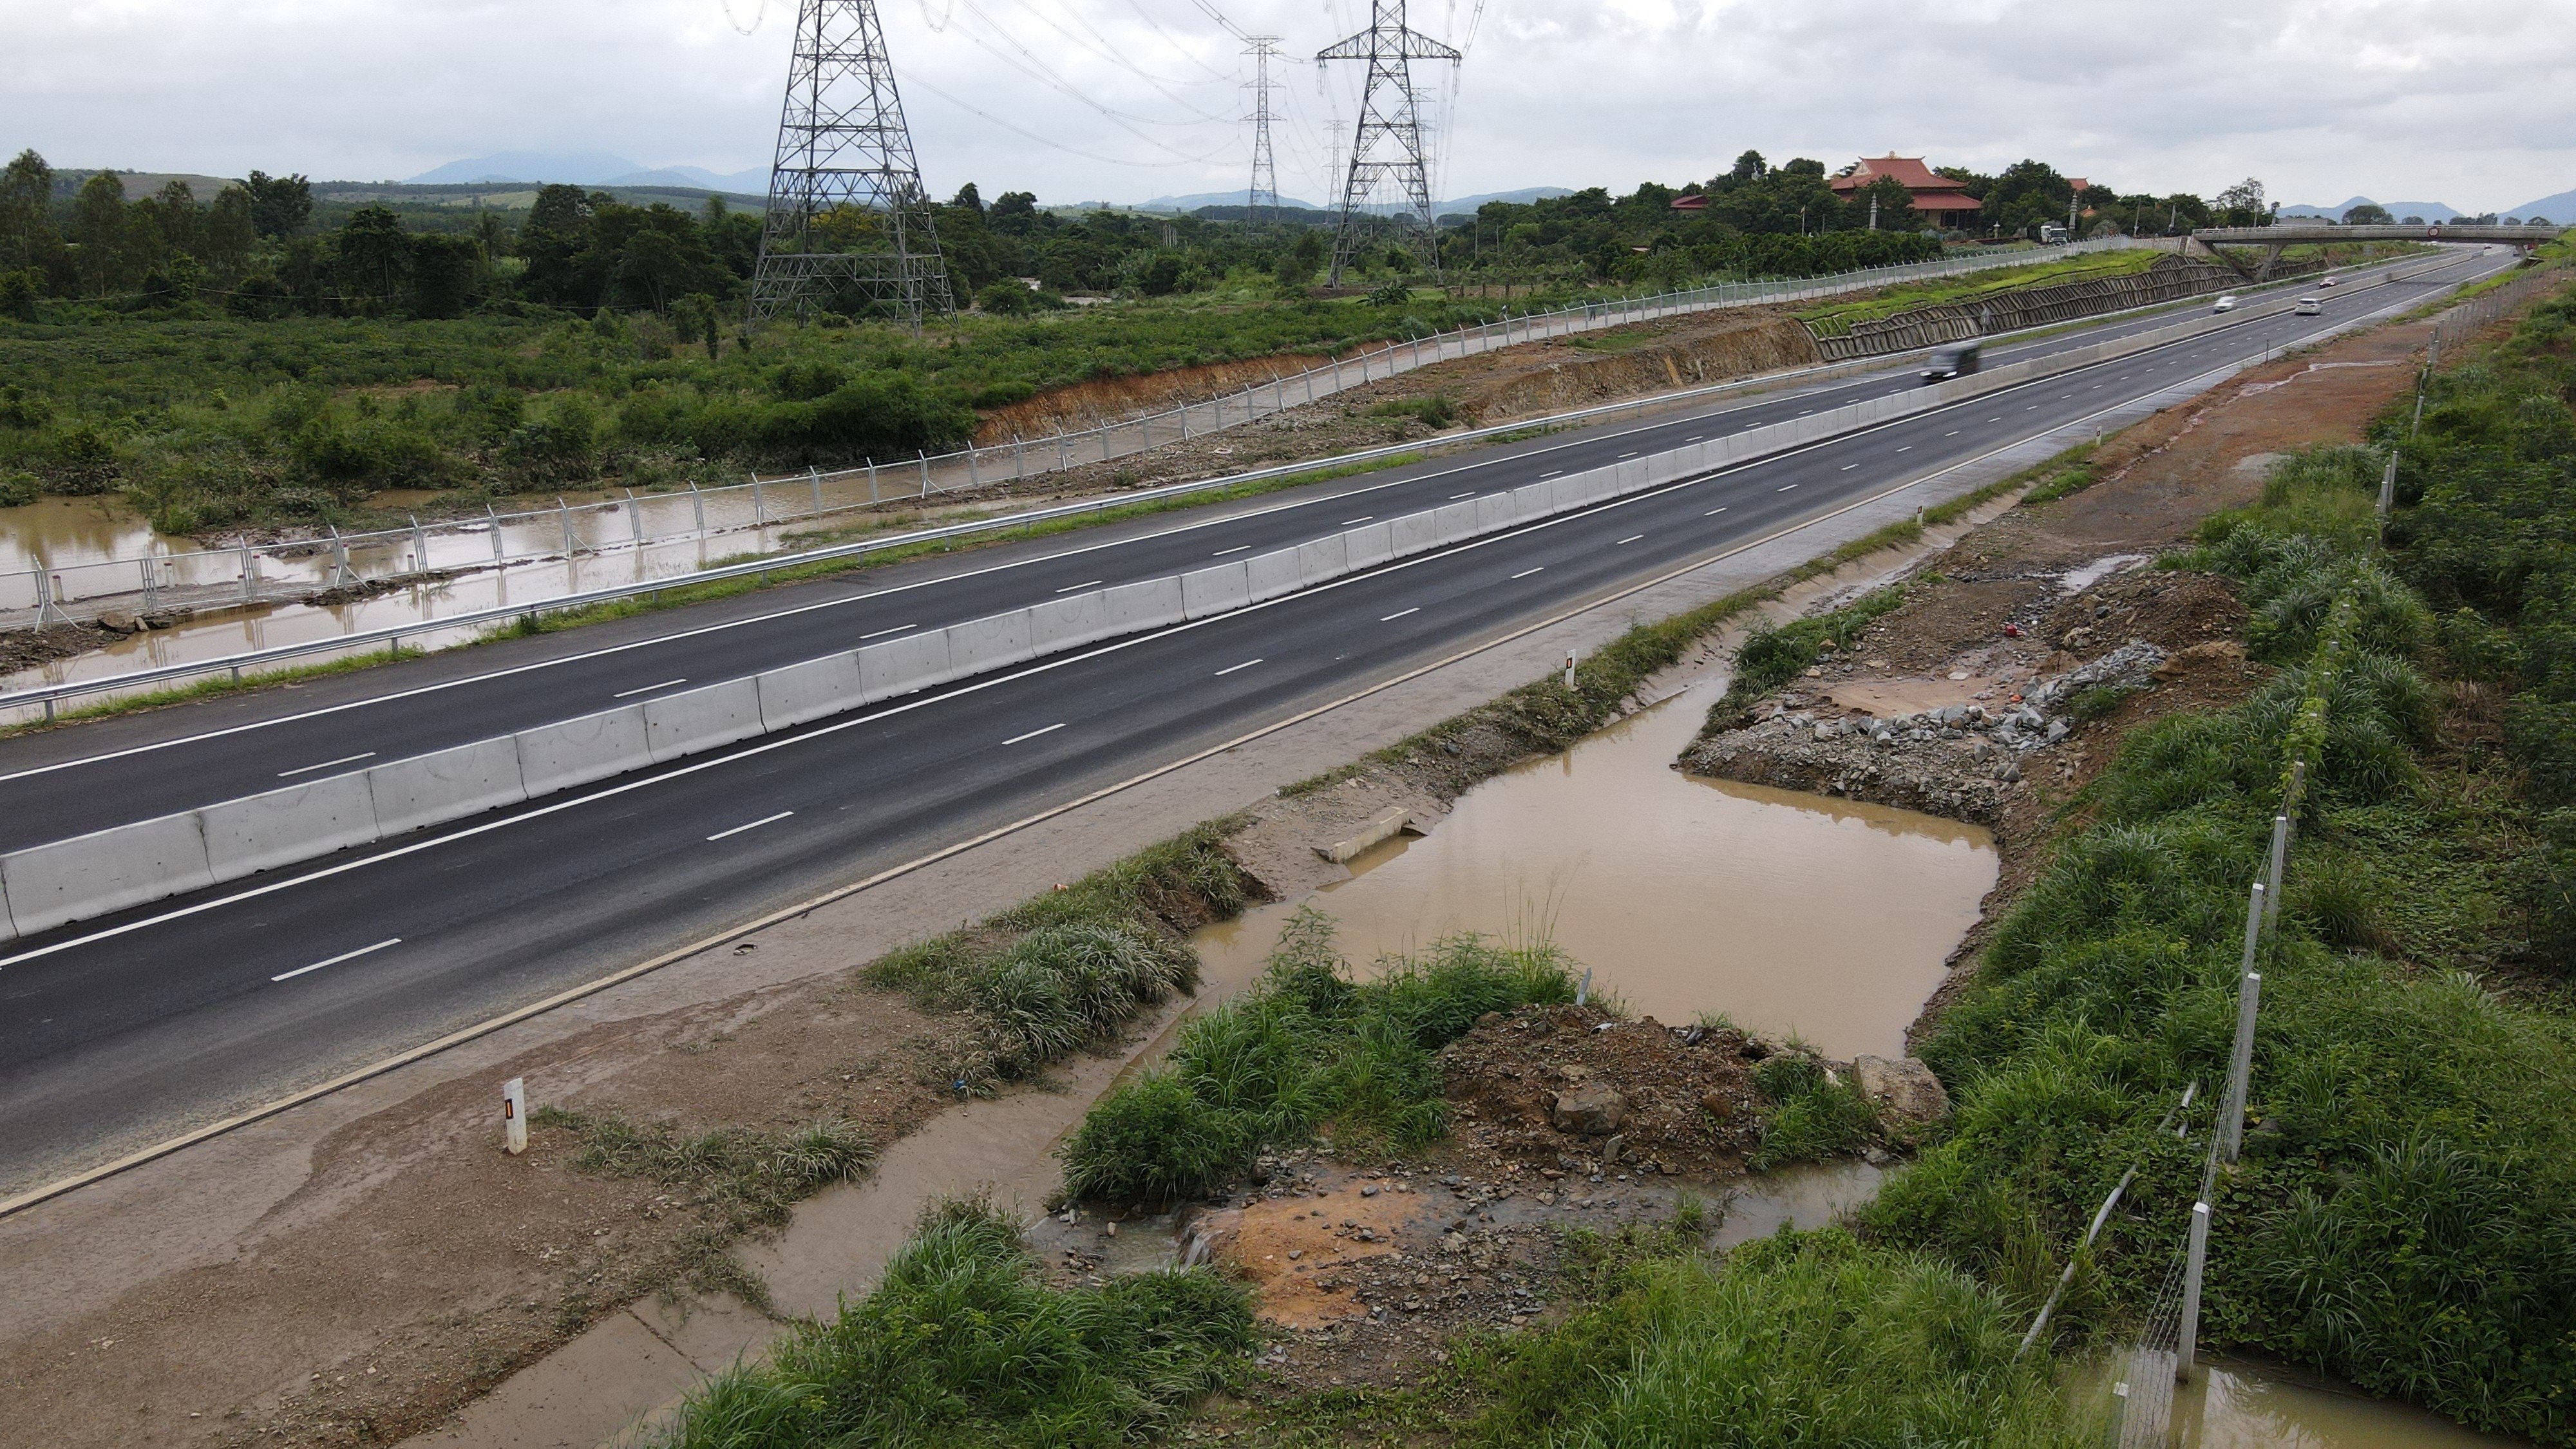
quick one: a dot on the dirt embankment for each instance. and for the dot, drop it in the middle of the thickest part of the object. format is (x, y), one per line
(1089, 403)
(2004, 682)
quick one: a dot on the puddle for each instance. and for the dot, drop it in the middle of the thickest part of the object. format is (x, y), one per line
(1788, 912)
(1811, 1195)
(2076, 581)
(2237, 1404)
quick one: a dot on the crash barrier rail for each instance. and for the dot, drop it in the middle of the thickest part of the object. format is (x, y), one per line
(45, 886)
(254, 573)
(48, 697)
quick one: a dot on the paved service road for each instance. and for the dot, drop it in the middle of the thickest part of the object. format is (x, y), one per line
(113, 1030)
(61, 783)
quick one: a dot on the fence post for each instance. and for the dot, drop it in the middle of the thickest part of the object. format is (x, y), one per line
(759, 506)
(815, 476)
(2196, 1261)
(419, 544)
(634, 518)
(250, 573)
(698, 506)
(2388, 484)
(151, 587)
(494, 518)
(924, 459)
(1019, 461)
(974, 479)
(339, 556)
(2280, 858)
(2240, 1066)
(563, 514)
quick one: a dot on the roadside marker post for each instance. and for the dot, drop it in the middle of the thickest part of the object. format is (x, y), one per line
(514, 1116)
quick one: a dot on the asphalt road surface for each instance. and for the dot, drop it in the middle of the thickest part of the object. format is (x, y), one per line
(118, 1030)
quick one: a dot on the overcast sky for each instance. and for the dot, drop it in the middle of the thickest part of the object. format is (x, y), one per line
(2468, 102)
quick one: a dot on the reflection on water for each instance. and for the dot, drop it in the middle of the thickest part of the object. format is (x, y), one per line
(1785, 911)
(1810, 1195)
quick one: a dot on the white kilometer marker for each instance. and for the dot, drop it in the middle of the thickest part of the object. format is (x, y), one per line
(1069, 588)
(1363, 518)
(881, 633)
(1712, 513)
(755, 825)
(1631, 538)
(1398, 614)
(647, 689)
(1033, 734)
(1229, 669)
(1525, 573)
(1238, 548)
(326, 764)
(336, 960)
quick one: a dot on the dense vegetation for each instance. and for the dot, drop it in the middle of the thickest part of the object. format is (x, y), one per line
(2401, 1218)
(963, 1344)
(1306, 1051)
(265, 356)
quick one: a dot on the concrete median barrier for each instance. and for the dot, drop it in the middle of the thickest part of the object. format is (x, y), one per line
(449, 785)
(701, 719)
(1271, 575)
(574, 752)
(1211, 591)
(1134, 608)
(280, 827)
(108, 870)
(995, 642)
(1067, 623)
(796, 693)
(1323, 560)
(904, 666)
(1369, 545)
(1454, 522)
(1413, 533)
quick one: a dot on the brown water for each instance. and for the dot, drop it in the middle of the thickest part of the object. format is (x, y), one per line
(2235, 1404)
(1787, 912)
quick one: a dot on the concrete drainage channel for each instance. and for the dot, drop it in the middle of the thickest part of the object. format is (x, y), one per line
(86, 876)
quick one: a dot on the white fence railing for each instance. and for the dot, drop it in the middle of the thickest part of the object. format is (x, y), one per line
(256, 573)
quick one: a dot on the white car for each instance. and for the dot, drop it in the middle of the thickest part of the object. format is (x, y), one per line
(2309, 307)
(2225, 304)
(2325, 281)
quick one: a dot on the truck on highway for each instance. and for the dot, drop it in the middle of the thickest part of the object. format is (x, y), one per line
(1956, 359)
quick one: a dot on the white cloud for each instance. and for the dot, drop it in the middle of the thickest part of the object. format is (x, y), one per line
(2467, 101)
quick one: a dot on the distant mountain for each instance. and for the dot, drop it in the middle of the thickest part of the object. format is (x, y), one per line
(754, 182)
(1522, 197)
(579, 168)
(2560, 208)
(1197, 199)
(2429, 210)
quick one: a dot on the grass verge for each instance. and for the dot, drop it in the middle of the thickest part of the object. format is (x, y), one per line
(962, 1343)
(1307, 1051)
(204, 689)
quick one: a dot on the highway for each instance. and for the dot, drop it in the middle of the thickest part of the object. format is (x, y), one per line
(113, 1031)
(171, 760)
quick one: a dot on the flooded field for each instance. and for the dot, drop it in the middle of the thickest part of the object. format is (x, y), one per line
(1786, 912)
(2236, 1404)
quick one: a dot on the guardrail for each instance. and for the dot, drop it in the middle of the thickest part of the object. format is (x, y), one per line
(637, 523)
(45, 886)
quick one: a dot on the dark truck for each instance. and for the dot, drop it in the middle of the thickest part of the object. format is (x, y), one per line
(1955, 359)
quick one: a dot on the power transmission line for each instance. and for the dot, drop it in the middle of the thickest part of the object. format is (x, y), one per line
(1388, 148)
(1261, 200)
(845, 174)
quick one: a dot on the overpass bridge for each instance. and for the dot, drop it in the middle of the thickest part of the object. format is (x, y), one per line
(2273, 238)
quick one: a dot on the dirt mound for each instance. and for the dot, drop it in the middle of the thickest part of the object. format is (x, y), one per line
(1729, 345)
(1088, 403)
(1551, 1086)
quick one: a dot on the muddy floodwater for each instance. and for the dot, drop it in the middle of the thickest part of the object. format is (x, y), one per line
(1787, 912)
(2241, 1405)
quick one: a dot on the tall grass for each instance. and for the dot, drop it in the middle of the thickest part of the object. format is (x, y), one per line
(1796, 1340)
(2402, 1216)
(963, 1344)
(1306, 1050)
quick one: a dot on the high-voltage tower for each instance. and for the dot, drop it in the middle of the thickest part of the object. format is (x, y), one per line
(846, 208)
(1261, 201)
(1388, 148)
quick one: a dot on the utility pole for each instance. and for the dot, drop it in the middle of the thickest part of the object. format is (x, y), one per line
(1388, 146)
(846, 207)
(1262, 198)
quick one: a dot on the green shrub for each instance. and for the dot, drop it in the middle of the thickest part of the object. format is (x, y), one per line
(1813, 1114)
(963, 1344)
(1772, 655)
(1431, 412)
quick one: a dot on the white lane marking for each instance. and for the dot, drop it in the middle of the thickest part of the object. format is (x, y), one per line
(1712, 513)
(1784, 488)
(1363, 518)
(1470, 493)
(336, 960)
(1695, 437)
(1631, 538)
(755, 825)
(1994, 420)
(1398, 614)
(649, 688)
(881, 633)
(1525, 573)
(1069, 588)
(1033, 734)
(1847, 467)
(1229, 669)
(1802, 412)
(1908, 448)
(326, 764)
(1623, 457)
(1238, 548)
(1543, 477)
(1954, 432)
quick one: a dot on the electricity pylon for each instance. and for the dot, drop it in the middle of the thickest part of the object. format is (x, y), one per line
(846, 208)
(1262, 199)
(1389, 146)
